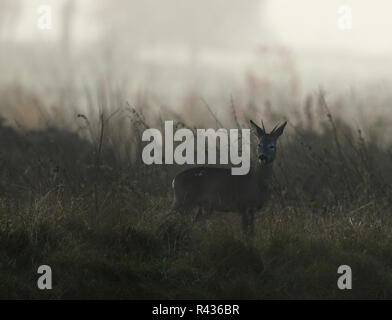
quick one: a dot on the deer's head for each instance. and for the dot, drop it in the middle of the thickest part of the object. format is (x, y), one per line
(266, 146)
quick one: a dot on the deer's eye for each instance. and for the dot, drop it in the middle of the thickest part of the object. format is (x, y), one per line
(272, 147)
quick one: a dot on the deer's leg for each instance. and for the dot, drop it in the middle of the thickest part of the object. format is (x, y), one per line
(202, 216)
(248, 224)
(198, 215)
(251, 227)
(245, 221)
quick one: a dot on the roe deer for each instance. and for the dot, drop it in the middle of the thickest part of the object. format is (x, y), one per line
(215, 189)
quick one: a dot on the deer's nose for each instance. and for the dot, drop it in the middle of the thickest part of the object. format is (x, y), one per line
(262, 157)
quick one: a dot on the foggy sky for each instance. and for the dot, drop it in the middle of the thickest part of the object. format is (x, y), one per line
(215, 43)
(300, 24)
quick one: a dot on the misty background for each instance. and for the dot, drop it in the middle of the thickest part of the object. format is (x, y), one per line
(78, 88)
(262, 53)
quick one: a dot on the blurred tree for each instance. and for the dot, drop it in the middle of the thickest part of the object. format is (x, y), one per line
(152, 34)
(9, 18)
(68, 15)
(221, 24)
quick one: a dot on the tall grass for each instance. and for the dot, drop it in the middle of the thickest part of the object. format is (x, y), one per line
(75, 195)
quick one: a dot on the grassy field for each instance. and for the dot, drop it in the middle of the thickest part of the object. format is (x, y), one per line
(81, 201)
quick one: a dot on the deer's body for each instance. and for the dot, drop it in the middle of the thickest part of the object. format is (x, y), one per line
(216, 189)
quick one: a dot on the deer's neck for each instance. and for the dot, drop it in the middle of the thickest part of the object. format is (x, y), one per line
(262, 175)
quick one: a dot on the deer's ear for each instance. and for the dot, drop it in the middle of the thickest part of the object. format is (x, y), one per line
(278, 131)
(260, 132)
